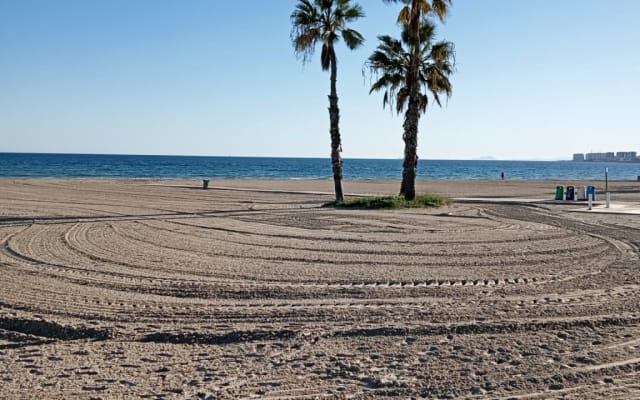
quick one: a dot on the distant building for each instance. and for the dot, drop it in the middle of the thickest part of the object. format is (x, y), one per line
(626, 156)
(600, 157)
(621, 156)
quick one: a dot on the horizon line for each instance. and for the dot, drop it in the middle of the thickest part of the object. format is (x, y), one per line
(483, 158)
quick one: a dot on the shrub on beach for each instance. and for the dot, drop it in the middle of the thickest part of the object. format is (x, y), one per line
(424, 200)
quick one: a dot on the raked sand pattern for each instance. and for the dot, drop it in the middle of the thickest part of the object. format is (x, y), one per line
(160, 290)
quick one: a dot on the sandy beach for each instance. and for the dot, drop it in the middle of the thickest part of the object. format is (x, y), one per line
(113, 289)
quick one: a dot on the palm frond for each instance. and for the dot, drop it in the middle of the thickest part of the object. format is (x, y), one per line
(323, 21)
(352, 38)
(421, 9)
(441, 8)
(424, 7)
(392, 81)
(443, 55)
(325, 57)
(404, 17)
(401, 98)
(391, 62)
(354, 12)
(306, 40)
(423, 102)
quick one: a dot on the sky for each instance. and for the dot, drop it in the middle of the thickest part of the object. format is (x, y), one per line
(535, 79)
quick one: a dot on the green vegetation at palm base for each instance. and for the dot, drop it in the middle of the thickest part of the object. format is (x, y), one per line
(425, 200)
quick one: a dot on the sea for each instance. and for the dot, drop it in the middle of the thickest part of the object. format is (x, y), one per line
(40, 165)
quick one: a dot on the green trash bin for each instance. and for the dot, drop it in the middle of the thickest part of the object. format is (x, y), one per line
(559, 192)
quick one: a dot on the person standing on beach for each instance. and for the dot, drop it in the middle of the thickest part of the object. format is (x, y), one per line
(502, 175)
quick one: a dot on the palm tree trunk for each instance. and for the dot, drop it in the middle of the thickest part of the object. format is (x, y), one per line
(334, 131)
(410, 164)
(412, 116)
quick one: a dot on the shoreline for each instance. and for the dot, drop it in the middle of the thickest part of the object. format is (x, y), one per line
(623, 190)
(540, 189)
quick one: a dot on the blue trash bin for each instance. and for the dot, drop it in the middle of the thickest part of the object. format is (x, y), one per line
(570, 193)
(591, 193)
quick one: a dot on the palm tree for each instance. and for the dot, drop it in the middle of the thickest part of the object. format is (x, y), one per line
(392, 63)
(412, 15)
(414, 10)
(325, 21)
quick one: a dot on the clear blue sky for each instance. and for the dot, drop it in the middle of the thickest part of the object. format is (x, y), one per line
(536, 79)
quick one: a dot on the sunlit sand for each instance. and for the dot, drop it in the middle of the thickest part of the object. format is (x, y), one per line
(160, 289)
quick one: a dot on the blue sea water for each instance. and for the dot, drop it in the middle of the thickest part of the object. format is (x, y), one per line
(19, 165)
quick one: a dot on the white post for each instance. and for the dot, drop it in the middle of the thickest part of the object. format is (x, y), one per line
(608, 199)
(590, 201)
